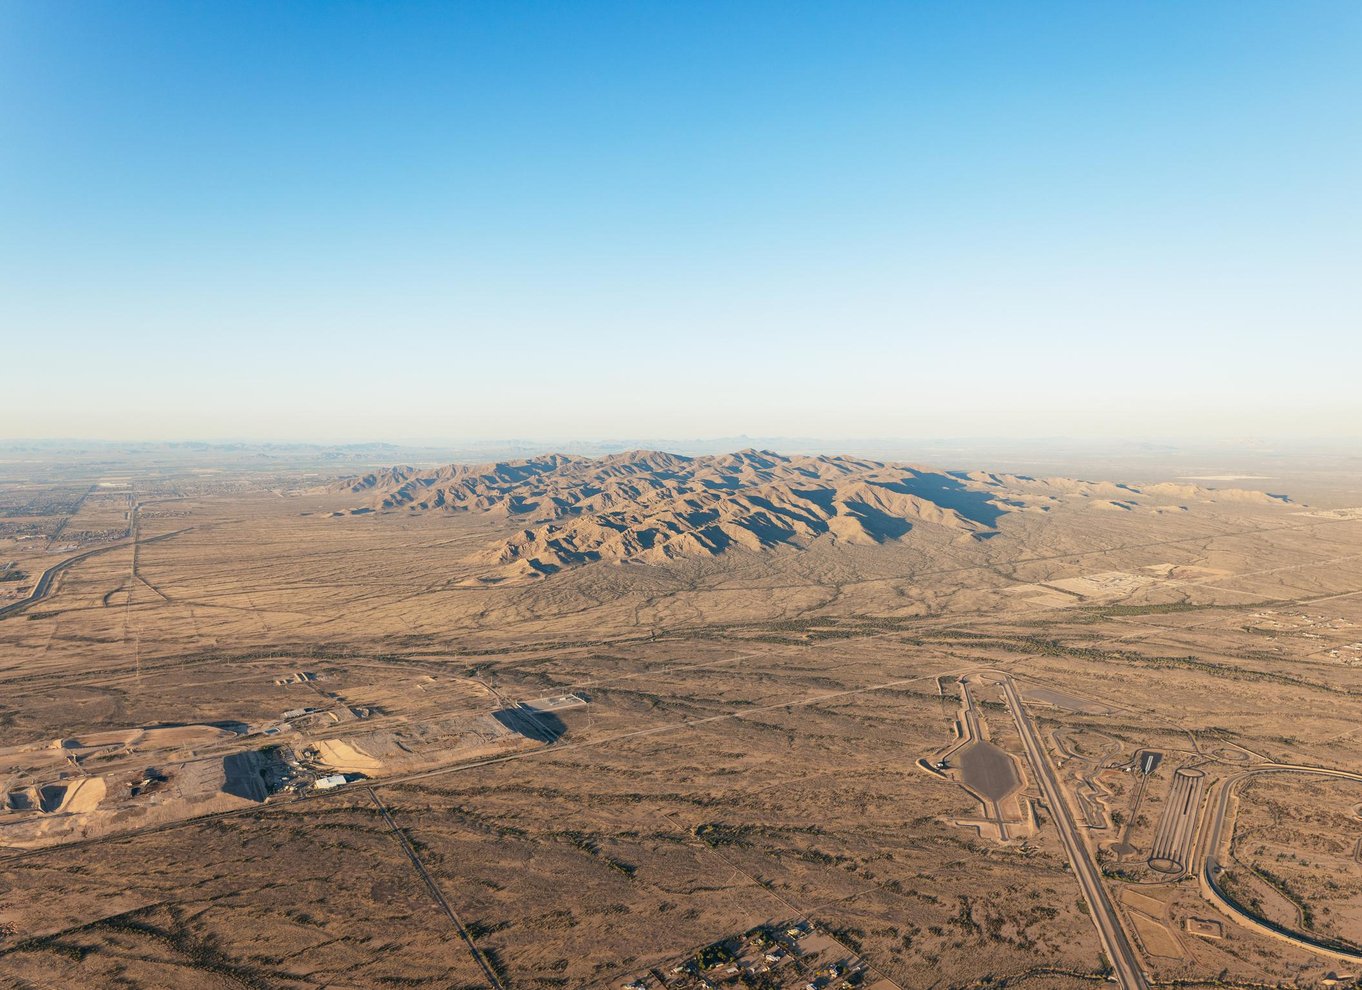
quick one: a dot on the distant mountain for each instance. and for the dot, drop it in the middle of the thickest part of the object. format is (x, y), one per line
(654, 506)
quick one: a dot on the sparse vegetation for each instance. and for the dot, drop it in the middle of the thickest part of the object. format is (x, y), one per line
(748, 739)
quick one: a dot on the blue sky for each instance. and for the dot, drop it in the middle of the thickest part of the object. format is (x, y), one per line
(415, 221)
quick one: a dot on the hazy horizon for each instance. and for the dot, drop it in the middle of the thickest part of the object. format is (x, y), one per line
(1343, 442)
(999, 624)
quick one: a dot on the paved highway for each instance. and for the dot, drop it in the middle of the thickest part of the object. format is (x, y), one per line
(1216, 837)
(1120, 953)
(44, 586)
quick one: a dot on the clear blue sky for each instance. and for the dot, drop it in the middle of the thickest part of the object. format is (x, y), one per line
(487, 219)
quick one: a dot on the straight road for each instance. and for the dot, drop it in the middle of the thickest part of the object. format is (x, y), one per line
(551, 750)
(435, 892)
(1120, 953)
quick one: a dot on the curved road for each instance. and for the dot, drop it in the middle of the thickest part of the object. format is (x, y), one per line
(43, 588)
(1215, 836)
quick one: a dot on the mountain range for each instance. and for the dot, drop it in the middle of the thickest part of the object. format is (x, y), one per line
(653, 506)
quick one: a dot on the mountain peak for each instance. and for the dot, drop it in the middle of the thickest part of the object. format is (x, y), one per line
(654, 506)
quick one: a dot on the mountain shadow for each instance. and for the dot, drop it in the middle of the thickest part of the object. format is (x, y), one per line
(950, 493)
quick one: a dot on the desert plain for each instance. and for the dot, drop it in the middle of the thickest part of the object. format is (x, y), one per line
(644, 720)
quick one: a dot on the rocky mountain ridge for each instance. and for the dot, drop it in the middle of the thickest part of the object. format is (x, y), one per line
(654, 506)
